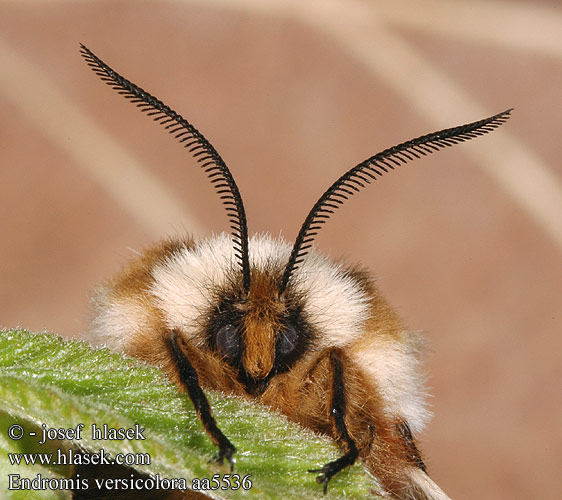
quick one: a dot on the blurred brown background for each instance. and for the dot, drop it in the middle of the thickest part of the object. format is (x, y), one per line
(466, 244)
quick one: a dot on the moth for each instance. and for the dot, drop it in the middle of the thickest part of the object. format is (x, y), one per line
(276, 322)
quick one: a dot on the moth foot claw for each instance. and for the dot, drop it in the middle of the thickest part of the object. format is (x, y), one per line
(324, 475)
(227, 453)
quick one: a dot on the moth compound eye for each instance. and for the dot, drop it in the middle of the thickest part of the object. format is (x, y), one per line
(227, 341)
(286, 341)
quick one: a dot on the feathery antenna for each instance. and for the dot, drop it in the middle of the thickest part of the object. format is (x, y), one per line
(200, 148)
(359, 176)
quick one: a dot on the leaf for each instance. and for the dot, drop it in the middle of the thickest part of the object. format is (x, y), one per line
(55, 383)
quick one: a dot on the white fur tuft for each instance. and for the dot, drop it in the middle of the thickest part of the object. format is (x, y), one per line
(424, 487)
(184, 283)
(395, 368)
(117, 320)
(335, 303)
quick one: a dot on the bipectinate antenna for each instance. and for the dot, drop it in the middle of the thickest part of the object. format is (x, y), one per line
(359, 176)
(201, 149)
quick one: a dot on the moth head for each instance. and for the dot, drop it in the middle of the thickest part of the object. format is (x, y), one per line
(260, 332)
(257, 324)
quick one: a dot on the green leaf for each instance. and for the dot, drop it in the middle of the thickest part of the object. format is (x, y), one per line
(48, 382)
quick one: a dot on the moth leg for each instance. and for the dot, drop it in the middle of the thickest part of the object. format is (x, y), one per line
(414, 454)
(190, 380)
(337, 412)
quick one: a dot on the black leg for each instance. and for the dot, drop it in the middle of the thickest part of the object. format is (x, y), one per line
(189, 379)
(337, 411)
(413, 452)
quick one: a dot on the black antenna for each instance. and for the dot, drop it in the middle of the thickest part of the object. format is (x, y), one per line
(359, 176)
(201, 149)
